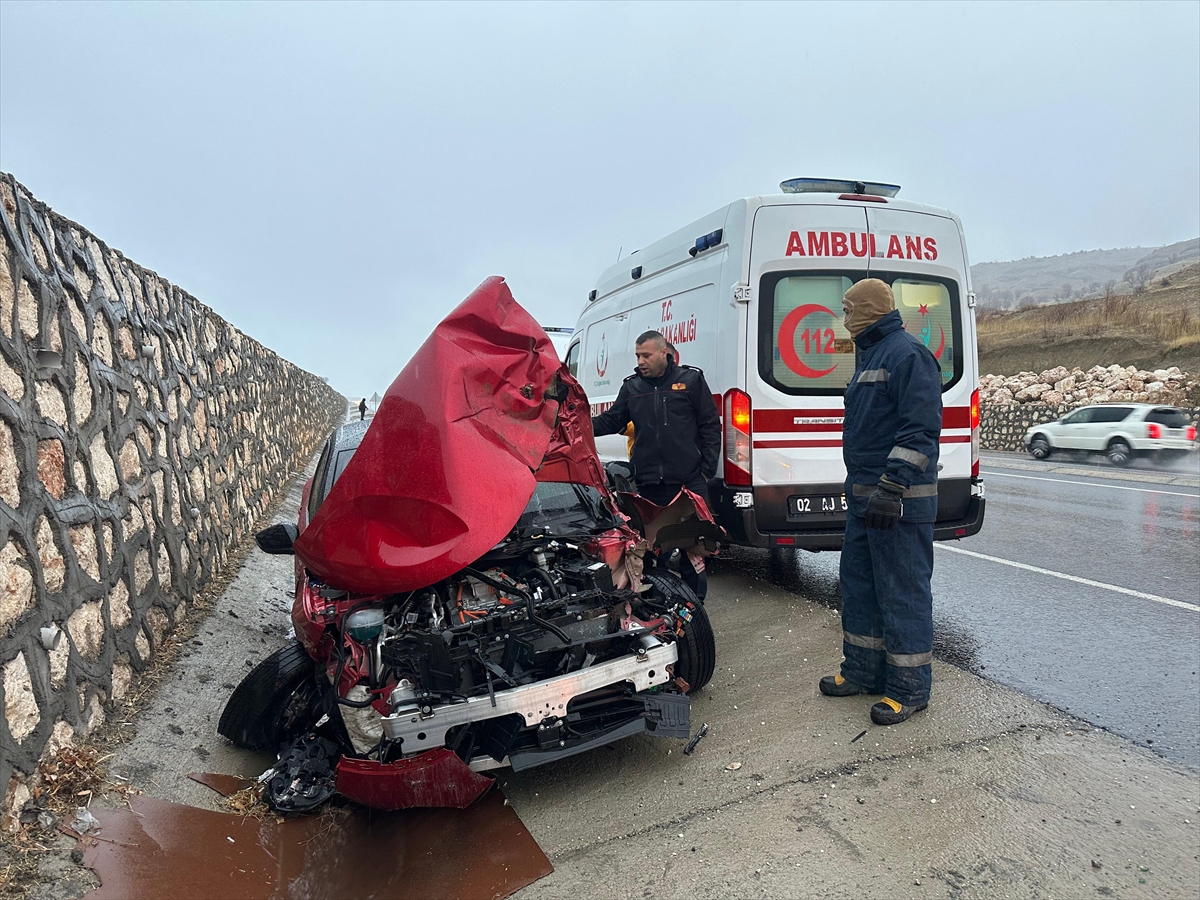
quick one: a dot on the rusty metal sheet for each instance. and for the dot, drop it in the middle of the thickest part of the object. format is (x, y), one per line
(158, 849)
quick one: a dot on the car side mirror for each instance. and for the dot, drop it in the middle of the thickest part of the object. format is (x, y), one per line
(278, 539)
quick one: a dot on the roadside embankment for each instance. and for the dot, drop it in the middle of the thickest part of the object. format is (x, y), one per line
(141, 436)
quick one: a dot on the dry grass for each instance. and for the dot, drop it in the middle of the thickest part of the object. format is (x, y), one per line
(1158, 327)
(1166, 313)
(249, 802)
(1188, 340)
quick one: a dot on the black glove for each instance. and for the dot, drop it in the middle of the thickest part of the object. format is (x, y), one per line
(884, 506)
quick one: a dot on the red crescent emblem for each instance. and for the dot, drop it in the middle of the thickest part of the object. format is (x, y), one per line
(787, 341)
(941, 346)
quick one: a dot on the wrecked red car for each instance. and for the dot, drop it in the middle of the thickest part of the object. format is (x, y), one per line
(470, 593)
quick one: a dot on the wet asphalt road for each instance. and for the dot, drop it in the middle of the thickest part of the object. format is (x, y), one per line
(1116, 652)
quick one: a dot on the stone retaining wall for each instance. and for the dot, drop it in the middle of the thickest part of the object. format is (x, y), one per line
(1002, 426)
(141, 436)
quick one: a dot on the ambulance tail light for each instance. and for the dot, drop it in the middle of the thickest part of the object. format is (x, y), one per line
(1190, 434)
(737, 437)
(1153, 431)
(975, 433)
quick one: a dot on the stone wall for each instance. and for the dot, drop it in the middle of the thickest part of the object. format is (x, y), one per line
(141, 436)
(1011, 404)
(1003, 425)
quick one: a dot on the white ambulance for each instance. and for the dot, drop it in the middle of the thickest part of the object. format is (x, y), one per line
(752, 294)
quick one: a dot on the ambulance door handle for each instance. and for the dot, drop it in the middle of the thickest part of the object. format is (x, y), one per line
(622, 317)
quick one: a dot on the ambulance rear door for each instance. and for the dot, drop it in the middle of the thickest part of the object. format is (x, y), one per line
(922, 256)
(804, 257)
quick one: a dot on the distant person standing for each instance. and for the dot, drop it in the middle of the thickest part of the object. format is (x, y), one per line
(677, 427)
(362, 409)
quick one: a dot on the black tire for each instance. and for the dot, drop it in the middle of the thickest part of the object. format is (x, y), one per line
(277, 701)
(1118, 452)
(698, 645)
(1039, 447)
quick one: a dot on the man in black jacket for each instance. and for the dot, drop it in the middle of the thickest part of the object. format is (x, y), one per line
(676, 423)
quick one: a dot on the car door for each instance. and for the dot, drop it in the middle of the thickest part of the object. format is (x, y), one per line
(1104, 424)
(1073, 432)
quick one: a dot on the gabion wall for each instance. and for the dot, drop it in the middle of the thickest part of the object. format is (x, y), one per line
(140, 437)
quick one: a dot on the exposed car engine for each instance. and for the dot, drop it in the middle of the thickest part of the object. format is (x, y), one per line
(471, 589)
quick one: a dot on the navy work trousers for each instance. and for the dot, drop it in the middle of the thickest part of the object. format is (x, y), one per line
(887, 608)
(662, 495)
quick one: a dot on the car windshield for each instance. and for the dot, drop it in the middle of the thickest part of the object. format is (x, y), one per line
(577, 504)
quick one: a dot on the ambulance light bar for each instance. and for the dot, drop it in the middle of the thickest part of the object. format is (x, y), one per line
(837, 186)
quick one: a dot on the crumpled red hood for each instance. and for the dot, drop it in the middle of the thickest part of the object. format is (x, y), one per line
(448, 464)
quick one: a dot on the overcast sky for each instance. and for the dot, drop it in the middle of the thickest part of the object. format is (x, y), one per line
(334, 178)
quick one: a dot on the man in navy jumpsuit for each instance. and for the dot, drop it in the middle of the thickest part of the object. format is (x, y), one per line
(890, 442)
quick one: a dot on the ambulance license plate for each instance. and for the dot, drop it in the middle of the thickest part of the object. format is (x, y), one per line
(816, 506)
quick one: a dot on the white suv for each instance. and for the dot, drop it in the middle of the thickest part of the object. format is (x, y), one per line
(1118, 430)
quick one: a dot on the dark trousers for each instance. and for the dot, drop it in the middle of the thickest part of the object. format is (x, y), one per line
(663, 494)
(887, 608)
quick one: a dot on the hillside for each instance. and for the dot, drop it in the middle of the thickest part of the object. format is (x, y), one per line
(1052, 279)
(1155, 329)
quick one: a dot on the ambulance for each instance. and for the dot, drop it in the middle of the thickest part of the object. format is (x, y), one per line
(752, 294)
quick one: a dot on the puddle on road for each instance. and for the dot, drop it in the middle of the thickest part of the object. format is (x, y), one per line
(157, 849)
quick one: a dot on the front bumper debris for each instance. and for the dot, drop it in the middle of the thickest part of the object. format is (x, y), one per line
(434, 779)
(426, 731)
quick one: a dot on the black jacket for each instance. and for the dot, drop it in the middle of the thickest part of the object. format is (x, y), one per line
(677, 431)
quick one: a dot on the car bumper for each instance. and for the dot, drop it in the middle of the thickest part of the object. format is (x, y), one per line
(420, 730)
(744, 525)
(1165, 444)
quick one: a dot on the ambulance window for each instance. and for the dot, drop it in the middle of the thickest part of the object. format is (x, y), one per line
(572, 359)
(804, 348)
(928, 316)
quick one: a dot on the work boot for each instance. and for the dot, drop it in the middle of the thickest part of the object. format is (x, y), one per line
(837, 686)
(888, 712)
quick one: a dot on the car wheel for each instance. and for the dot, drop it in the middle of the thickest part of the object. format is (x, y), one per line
(1119, 453)
(1039, 447)
(276, 701)
(698, 645)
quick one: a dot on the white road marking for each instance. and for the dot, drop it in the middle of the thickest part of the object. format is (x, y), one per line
(1115, 487)
(1099, 584)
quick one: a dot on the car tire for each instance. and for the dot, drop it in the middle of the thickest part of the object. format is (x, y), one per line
(1119, 453)
(275, 702)
(1039, 447)
(698, 645)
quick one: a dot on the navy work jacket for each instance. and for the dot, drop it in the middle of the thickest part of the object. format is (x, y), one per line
(893, 419)
(677, 430)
